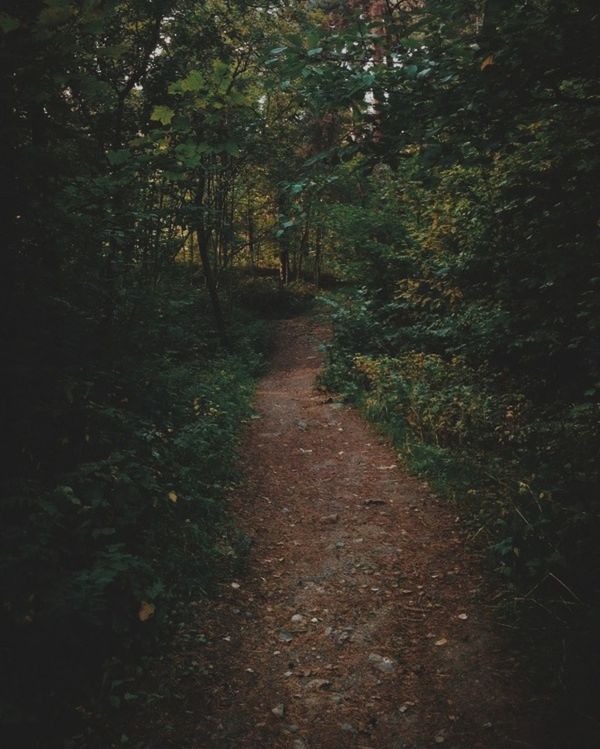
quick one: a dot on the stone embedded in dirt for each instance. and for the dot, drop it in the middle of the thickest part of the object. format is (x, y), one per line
(315, 684)
(463, 616)
(298, 625)
(382, 663)
(336, 405)
(285, 636)
(330, 518)
(373, 501)
(298, 619)
(347, 728)
(441, 641)
(298, 744)
(278, 711)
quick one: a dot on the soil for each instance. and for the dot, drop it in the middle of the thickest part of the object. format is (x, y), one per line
(364, 618)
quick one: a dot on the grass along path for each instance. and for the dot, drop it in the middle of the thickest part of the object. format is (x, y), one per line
(363, 619)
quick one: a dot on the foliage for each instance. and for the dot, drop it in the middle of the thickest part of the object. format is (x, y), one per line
(162, 160)
(468, 226)
(96, 555)
(264, 296)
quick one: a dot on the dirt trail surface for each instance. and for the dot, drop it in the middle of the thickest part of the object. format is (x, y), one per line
(361, 621)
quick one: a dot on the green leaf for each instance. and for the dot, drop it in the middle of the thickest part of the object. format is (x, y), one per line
(190, 154)
(56, 12)
(8, 23)
(162, 114)
(314, 52)
(411, 43)
(116, 158)
(317, 157)
(113, 52)
(231, 148)
(193, 81)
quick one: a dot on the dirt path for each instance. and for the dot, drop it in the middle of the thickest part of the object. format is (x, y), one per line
(361, 621)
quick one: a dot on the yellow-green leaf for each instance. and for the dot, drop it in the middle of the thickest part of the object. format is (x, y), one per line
(162, 114)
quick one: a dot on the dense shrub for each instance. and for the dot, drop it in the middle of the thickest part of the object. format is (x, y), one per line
(99, 547)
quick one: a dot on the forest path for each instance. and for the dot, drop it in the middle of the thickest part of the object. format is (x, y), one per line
(361, 621)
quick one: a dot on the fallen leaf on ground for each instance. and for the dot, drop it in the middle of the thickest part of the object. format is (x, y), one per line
(146, 611)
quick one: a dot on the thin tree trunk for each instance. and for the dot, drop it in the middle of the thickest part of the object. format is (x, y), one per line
(318, 255)
(210, 284)
(284, 266)
(203, 248)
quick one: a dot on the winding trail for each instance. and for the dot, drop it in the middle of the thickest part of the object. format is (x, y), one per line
(362, 620)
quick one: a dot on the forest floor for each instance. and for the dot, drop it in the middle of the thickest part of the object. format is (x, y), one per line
(364, 618)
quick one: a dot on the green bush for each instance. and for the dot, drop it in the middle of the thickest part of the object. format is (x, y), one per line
(97, 550)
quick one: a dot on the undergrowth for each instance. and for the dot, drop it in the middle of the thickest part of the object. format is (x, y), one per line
(522, 474)
(113, 505)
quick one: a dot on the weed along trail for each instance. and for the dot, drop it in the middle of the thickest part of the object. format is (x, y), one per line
(361, 619)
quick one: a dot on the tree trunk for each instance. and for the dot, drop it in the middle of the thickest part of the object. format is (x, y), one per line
(284, 266)
(202, 234)
(318, 254)
(202, 237)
